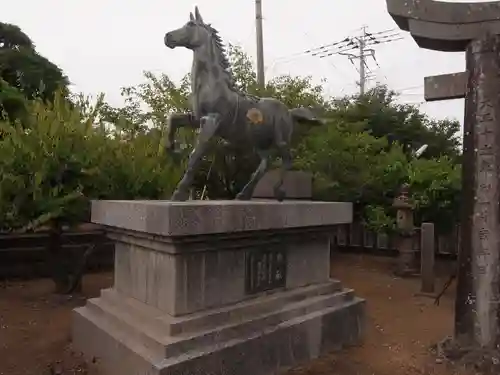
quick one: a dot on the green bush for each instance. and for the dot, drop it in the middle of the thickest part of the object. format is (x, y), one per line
(51, 169)
(67, 153)
(351, 165)
(435, 186)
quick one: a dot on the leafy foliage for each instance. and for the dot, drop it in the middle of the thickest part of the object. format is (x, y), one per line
(402, 123)
(351, 165)
(51, 170)
(65, 152)
(435, 186)
(362, 155)
(12, 37)
(22, 68)
(12, 102)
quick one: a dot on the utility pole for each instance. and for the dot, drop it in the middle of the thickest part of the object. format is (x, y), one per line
(358, 44)
(364, 52)
(260, 44)
(362, 62)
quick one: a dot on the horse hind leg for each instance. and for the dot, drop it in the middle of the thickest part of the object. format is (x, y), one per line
(247, 192)
(283, 136)
(286, 165)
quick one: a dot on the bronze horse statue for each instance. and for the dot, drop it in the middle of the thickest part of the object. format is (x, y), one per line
(219, 109)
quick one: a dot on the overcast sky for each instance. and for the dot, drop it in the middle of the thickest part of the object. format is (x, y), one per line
(103, 45)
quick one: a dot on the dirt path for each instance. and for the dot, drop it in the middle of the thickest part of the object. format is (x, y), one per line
(34, 326)
(400, 327)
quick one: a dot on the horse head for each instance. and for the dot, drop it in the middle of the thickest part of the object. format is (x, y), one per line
(192, 35)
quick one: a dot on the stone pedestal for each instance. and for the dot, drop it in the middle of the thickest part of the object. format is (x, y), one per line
(296, 185)
(404, 221)
(217, 287)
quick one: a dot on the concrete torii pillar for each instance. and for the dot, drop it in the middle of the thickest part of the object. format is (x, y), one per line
(475, 29)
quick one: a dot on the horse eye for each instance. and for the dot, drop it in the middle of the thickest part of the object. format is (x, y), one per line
(190, 23)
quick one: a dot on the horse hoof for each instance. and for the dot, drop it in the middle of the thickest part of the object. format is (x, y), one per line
(279, 195)
(241, 197)
(179, 196)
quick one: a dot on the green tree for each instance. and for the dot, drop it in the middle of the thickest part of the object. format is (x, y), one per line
(12, 102)
(401, 123)
(348, 164)
(362, 155)
(242, 69)
(12, 37)
(50, 171)
(24, 69)
(435, 187)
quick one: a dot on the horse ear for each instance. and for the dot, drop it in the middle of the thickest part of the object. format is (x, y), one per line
(198, 15)
(191, 17)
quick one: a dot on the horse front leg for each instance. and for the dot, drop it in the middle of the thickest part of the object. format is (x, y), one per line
(247, 192)
(208, 125)
(176, 121)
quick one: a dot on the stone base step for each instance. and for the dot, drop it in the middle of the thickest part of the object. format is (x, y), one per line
(155, 337)
(265, 303)
(300, 331)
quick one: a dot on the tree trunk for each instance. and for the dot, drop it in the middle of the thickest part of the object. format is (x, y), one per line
(66, 266)
(57, 260)
(477, 309)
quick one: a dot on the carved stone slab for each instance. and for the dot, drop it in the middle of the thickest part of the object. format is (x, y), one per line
(445, 86)
(444, 26)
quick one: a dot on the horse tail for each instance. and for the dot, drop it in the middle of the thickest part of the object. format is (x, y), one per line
(303, 114)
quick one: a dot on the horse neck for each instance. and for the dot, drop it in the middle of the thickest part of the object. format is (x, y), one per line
(207, 70)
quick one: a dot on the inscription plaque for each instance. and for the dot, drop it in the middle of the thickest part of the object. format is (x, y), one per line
(265, 270)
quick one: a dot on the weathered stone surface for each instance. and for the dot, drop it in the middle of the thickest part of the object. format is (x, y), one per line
(180, 303)
(181, 277)
(427, 258)
(126, 339)
(474, 28)
(478, 293)
(445, 26)
(445, 86)
(209, 217)
(296, 185)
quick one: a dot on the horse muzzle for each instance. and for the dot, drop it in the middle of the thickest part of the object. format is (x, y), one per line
(169, 40)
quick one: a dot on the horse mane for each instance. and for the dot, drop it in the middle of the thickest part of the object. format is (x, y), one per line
(224, 61)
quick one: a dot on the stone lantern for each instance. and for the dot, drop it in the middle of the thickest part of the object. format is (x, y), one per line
(406, 231)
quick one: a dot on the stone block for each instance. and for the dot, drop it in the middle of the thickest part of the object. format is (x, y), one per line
(296, 185)
(229, 298)
(445, 86)
(194, 218)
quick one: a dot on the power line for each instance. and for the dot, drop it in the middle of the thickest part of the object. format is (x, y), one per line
(363, 45)
(410, 88)
(350, 41)
(344, 45)
(347, 40)
(367, 38)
